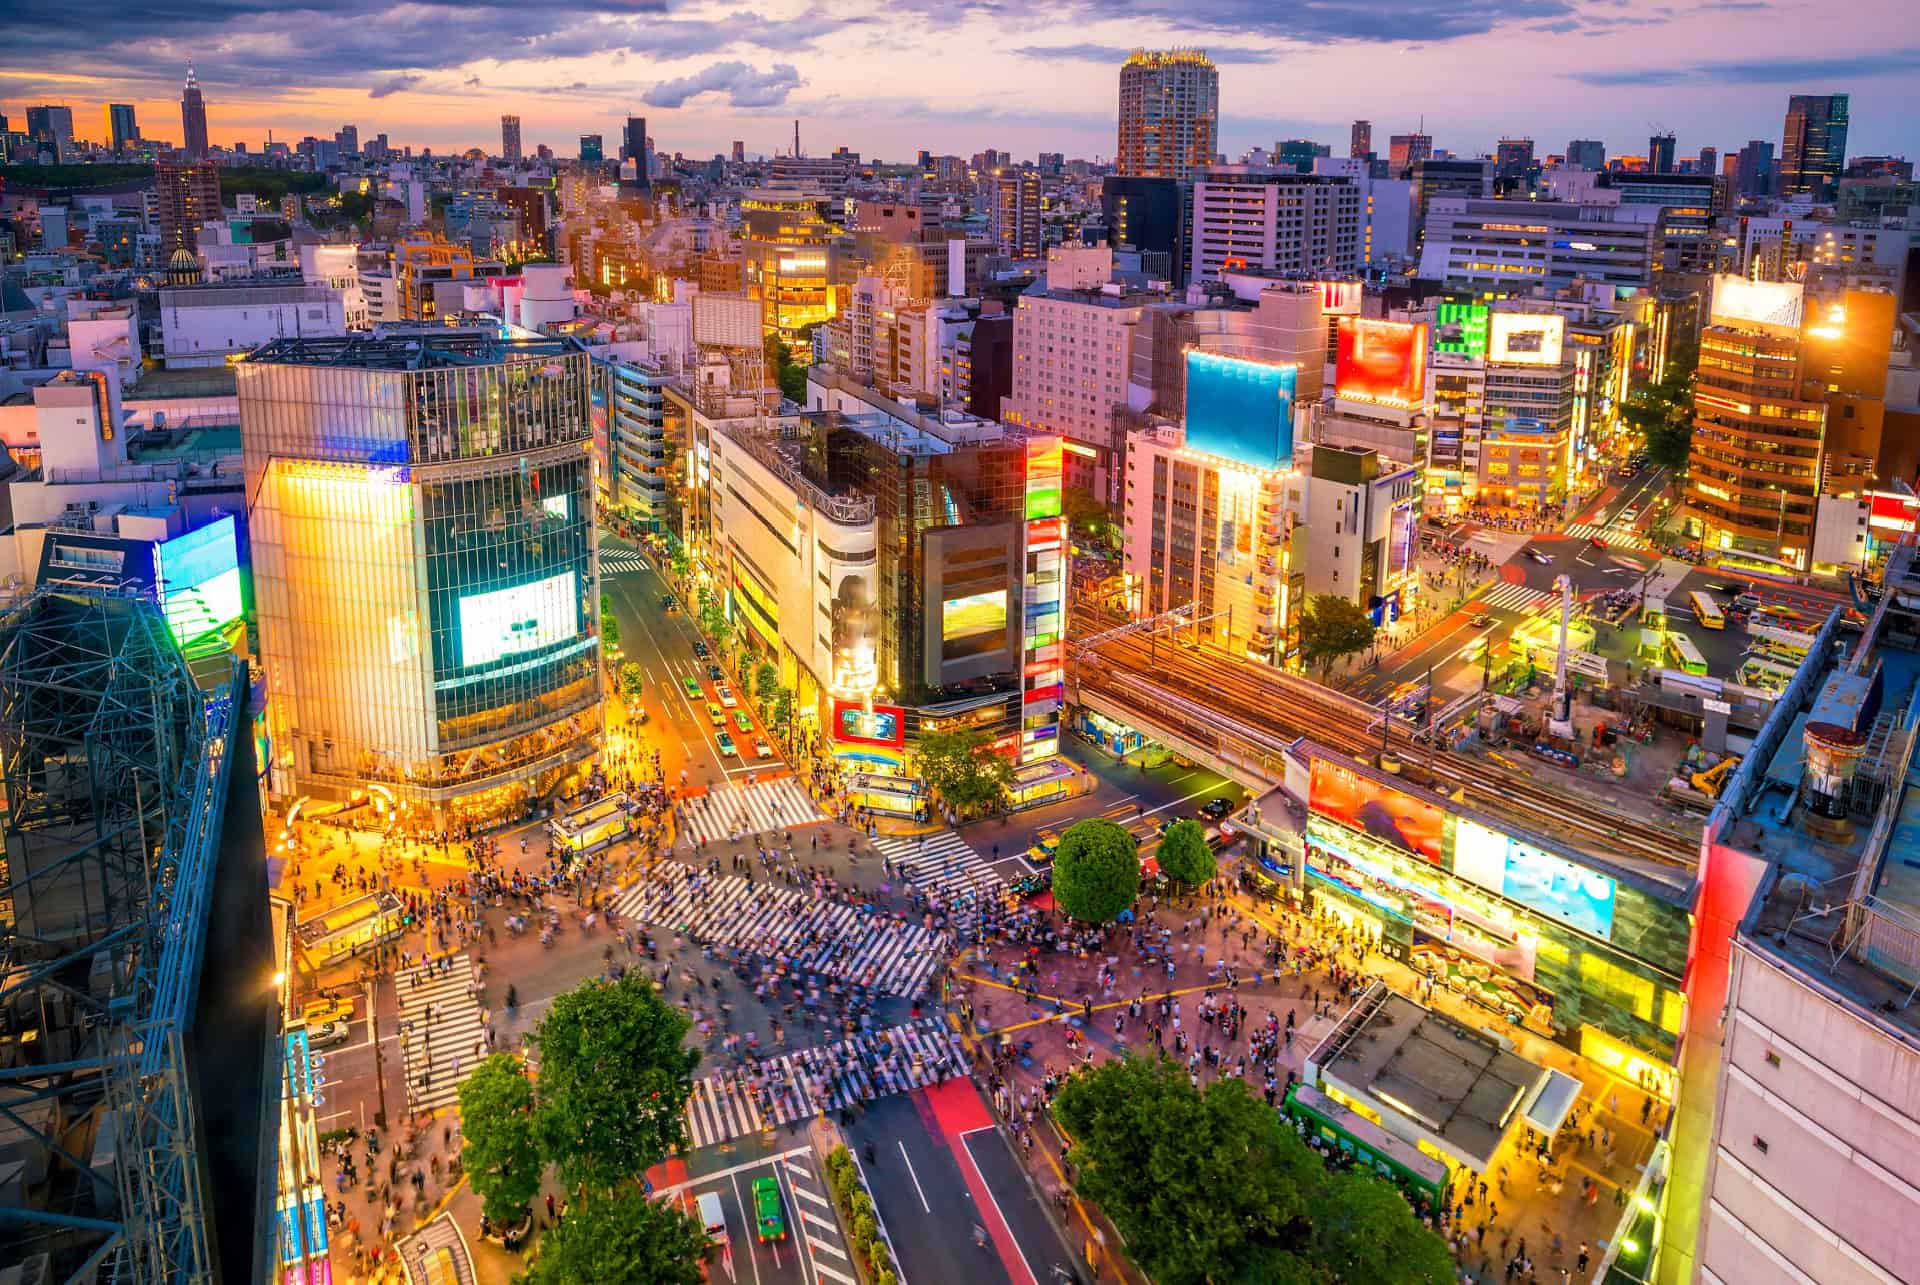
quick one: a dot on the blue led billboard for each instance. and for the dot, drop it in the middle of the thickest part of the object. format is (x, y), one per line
(1240, 410)
(197, 577)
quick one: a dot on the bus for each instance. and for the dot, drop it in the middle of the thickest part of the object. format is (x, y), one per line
(1765, 674)
(1707, 611)
(592, 827)
(1778, 653)
(1684, 655)
(1338, 1128)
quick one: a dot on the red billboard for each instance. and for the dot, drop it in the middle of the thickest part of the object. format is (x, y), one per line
(855, 724)
(1363, 804)
(1892, 511)
(1382, 362)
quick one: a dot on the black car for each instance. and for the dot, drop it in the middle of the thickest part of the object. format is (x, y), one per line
(699, 649)
(1028, 886)
(715, 672)
(1214, 809)
(667, 601)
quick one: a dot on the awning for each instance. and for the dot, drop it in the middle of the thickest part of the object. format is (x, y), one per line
(1552, 1098)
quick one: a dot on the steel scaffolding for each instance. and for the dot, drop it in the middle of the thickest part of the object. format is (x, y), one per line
(114, 767)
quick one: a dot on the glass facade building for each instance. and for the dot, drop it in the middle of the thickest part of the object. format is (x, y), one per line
(421, 508)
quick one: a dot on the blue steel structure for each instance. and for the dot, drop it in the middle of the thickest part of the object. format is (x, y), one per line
(115, 767)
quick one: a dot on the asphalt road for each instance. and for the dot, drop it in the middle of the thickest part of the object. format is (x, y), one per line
(811, 1250)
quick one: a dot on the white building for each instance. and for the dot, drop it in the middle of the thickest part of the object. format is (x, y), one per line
(1361, 541)
(337, 267)
(1515, 247)
(1386, 209)
(205, 325)
(1276, 220)
(1072, 355)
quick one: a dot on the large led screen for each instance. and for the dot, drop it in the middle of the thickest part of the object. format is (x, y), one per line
(1461, 327)
(527, 617)
(1554, 886)
(1526, 338)
(1771, 305)
(1384, 362)
(197, 579)
(881, 725)
(973, 616)
(1363, 804)
(1240, 410)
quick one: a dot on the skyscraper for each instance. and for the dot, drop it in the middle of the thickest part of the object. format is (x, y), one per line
(188, 193)
(121, 130)
(1660, 154)
(1513, 158)
(51, 128)
(1361, 143)
(348, 140)
(1586, 154)
(634, 148)
(740, 153)
(1753, 168)
(193, 117)
(1813, 145)
(592, 149)
(1016, 214)
(510, 139)
(1169, 113)
(1708, 162)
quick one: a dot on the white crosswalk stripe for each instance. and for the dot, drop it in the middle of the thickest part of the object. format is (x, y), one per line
(942, 864)
(440, 1028)
(1512, 597)
(620, 561)
(755, 808)
(1612, 536)
(830, 938)
(805, 1083)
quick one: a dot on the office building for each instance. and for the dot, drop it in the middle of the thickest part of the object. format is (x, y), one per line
(1404, 151)
(1813, 145)
(1527, 451)
(1586, 154)
(193, 117)
(635, 147)
(1660, 154)
(1016, 215)
(1500, 247)
(1431, 179)
(1754, 168)
(788, 248)
(1360, 142)
(1362, 512)
(1691, 206)
(421, 518)
(739, 152)
(188, 196)
(1707, 162)
(1148, 215)
(51, 130)
(1072, 350)
(428, 277)
(1169, 114)
(347, 139)
(591, 149)
(631, 396)
(1275, 221)
(510, 139)
(1298, 154)
(1513, 159)
(1386, 211)
(122, 132)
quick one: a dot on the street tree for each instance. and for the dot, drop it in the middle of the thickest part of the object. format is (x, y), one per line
(501, 1151)
(1332, 628)
(781, 712)
(621, 1239)
(1184, 854)
(1364, 1230)
(765, 679)
(1088, 518)
(1662, 412)
(1096, 870)
(609, 623)
(613, 1080)
(964, 770)
(632, 681)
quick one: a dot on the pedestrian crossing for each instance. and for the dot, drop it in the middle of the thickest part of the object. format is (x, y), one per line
(943, 864)
(831, 938)
(752, 808)
(813, 1219)
(621, 561)
(441, 1031)
(1512, 597)
(1613, 537)
(807, 1082)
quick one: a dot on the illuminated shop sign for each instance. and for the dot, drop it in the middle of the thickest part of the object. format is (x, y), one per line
(882, 725)
(1462, 328)
(1043, 592)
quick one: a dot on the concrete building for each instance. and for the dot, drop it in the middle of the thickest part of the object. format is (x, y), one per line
(202, 326)
(1404, 151)
(188, 196)
(1148, 215)
(634, 484)
(1362, 517)
(193, 117)
(1169, 114)
(1386, 211)
(510, 139)
(1586, 154)
(1692, 207)
(1016, 215)
(1513, 247)
(788, 248)
(1072, 352)
(1275, 221)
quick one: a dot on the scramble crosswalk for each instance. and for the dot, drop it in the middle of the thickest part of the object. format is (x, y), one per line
(831, 938)
(752, 808)
(1512, 597)
(942, 864)
(1614, 537)
(620, 561)
(441, 1027)
(807, 1082)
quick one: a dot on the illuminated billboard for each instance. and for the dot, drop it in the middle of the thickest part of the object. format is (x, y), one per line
(978, 615)
(1363, 804)
(1520, 872)
(1043, 591)
(1767, 305)
(1526, 338)
(526, 617)
(197, 579)
(1240, 410)
(1381, 362)
(881, 725)
(1462, 328)
(1892, 511)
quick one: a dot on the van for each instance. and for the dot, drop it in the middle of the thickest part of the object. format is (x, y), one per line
(713, 1216)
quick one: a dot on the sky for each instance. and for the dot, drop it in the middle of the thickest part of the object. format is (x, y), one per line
(888, 77)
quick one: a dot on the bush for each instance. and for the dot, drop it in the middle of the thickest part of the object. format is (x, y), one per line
(864, 1230)
(885, 1276)
(879, 1256)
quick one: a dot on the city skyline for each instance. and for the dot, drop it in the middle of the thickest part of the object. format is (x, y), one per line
(706, 74)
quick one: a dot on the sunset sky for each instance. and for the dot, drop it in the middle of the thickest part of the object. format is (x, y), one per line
(962, 75)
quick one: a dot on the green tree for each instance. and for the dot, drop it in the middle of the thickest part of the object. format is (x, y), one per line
(609, 623)
(1090, 520)
(713, 621)
(963, 769)
(781, 712)
(1096, 871)
(621, 1239)
(681, 563)
(766, 679)
(632, 681)
(1331, 628)
(1364, 1230)
(1662, 413)
(1184, 855)
(614, 1080)
(501, 1152)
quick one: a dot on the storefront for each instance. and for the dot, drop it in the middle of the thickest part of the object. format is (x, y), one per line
(1109, 734)
(1046, 781)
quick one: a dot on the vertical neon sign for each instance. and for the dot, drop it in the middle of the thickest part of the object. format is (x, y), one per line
(1043, 619)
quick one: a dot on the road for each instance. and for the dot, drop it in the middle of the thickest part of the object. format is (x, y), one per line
(811, 1250)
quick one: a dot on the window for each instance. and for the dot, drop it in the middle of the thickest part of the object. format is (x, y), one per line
(1773, 1059)
(1760, 1144)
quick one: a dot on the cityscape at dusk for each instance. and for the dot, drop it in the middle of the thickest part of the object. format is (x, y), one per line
(662, 644)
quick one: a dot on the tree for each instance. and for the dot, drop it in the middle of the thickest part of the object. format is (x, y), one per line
(621, 1239)
(1088, 518)
(788, 366)
(1662, 413)
(681, 563)
(963, 769)
(713, 621)
(501, 1152)
(614, 1080)
(1364, 1230)
(781, 712)
(1331, 628)
(765, 680)
(1184, 855)
(1096, 871)
(609, 623)
(632, 681)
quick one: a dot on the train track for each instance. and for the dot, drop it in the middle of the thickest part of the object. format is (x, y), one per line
(1251, 709)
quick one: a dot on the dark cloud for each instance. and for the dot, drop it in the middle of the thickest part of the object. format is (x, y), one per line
(394, 85)
(743, 85)
(1115, 54)
(1761, 71)
(1303, 22)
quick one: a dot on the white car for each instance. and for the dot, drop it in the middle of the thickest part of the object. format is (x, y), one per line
(320, 1037)
(762, 750)
(725, 693)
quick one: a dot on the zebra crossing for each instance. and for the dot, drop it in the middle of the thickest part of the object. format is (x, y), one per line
(620, 561)
(942, 864)
(753, 808)
(808, 1082)
(831, 938)
(1512, 597)
(440, 1032)
(1611, 536)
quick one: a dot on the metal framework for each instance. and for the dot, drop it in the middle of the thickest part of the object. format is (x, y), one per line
(115, 767)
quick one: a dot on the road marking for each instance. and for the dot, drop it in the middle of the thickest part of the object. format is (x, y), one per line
(1205, 789)
(916, 1177)
(718, 1174)
(829, 1246)
(995, 1200)
(821, 1269)
(733, 1180)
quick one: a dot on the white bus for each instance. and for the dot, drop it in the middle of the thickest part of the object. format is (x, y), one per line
(1684, 655)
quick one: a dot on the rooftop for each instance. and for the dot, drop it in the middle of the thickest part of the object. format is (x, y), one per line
(423, 348)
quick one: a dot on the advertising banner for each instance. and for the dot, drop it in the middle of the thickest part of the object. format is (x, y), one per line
(1538, 880)
(1411, 824)
(883, 725)
(1526, 338)
(1383, 362)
